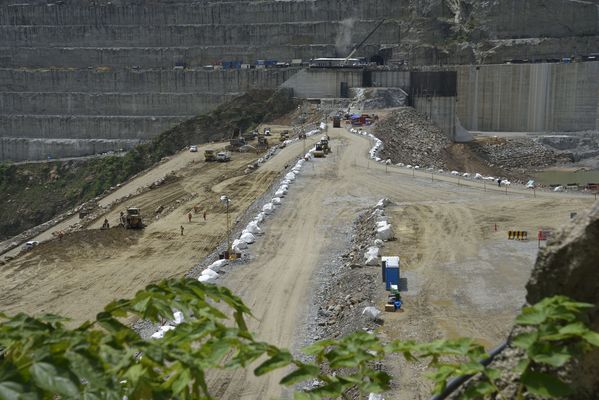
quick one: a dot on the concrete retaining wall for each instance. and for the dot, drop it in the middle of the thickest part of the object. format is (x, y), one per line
(145, 81)
(391, 79)
(440, 110)
(85, 127)
(529, 97)
(22, 149)
(133, 104)
(314, 83)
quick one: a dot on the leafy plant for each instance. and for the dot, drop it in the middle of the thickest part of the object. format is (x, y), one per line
(41, 358)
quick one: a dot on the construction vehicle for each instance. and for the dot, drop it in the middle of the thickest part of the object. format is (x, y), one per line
(324, 144)
(266, 131)
(223, 156)
(209, 155)
(284, 136)
(262, 142)
(336, 121)
(319, 152)
(237, 141)
(132, 219)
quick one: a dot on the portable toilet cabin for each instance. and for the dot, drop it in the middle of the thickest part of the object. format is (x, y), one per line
(390, 271)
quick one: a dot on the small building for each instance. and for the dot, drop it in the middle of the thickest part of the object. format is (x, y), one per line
(390, 271)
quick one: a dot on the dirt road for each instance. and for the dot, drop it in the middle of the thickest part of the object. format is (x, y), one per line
(444, 225)
(463, 278)
(77, 276)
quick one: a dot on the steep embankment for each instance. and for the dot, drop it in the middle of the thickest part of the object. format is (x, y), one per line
(411, 139)
(33, 193)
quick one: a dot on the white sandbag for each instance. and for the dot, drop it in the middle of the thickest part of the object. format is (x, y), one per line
(253, 228)
(416, 167)
(284, 188)
(248, 238)
(380, 224)
(178, 317)
(218, 264)
(465, 174)
(210, 273)
(371, 256)
(163, 329)
(205, 278)
(455, 173)
(260, 217)
(279, 193)
(239, 245)
(558, 189)
(290, 176)
(373, 251)
(276, 201)
(381, 218)
(295, 171)
(409, 166)
(478, 176)
(382, 203)
(375, 396)
(505, 182)
(379, 243)
(385, 232)
(378, 212)
(401, 164)
(440, 171)
(371, 312)
(268, 208)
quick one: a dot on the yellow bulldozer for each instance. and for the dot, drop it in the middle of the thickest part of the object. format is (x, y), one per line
(132, 219)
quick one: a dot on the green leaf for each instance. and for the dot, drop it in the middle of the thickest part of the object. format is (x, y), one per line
(280, 359)
(531, 316)
(301, 374)
(479, 390)
(542, 384)
(548, 353)
(182, 381)
(591, 337)
(10, 391)
(525, 340)
(47, 377)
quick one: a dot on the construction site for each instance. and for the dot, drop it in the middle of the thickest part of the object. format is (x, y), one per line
(391, 182)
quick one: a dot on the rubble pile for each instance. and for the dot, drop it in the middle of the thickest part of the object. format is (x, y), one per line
(353, 286)
(410, 139)
(518, 154)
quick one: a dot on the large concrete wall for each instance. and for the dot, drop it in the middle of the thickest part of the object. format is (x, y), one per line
(529, 97)
(322, 83)
(101, 69)
(440, 110)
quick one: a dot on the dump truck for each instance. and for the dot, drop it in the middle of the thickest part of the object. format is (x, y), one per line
(209, 155)
(132, 219)
(284, 136)
(223, 156)
(336, 121)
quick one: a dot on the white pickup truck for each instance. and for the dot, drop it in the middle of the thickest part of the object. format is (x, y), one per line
(223, 156)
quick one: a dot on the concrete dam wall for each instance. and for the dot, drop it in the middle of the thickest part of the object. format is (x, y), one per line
(529, 97)
(77, 77)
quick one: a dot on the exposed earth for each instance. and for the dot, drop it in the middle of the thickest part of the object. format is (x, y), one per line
(463, 277)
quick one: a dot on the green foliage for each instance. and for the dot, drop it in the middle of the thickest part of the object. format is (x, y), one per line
(106, 359)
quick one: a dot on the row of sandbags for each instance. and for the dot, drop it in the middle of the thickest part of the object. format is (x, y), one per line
(248, 235)
(376, 148)
(384, 232)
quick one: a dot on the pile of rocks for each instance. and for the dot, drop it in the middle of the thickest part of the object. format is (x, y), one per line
(410, 139)
(352, 287)
(518, 154)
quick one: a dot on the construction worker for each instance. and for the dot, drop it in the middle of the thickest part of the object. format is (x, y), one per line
(189, 216)
(204, 215)
(182, 230)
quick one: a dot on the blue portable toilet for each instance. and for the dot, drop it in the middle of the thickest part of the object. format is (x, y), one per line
(390, 270)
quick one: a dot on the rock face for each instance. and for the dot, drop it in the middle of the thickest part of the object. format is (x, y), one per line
(569, 266)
